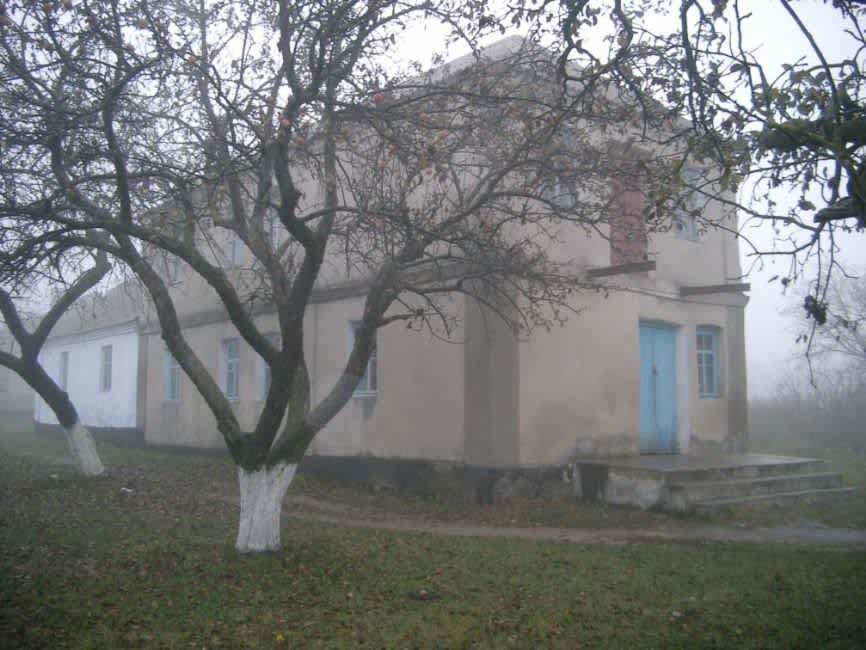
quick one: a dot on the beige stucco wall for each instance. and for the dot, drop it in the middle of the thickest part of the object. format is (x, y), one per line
(579, 384)
(416, 413)
(418, 409)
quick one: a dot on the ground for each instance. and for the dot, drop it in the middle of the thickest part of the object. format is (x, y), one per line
(144, 558)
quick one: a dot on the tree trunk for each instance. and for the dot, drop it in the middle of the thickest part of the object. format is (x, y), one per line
(262, 492)
(83, 449)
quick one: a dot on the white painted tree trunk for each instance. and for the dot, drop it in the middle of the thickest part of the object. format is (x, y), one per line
(83, 449)
(262, 492)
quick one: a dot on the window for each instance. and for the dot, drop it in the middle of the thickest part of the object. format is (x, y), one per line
(171, 380)
(63, 378)
(265, 369)
(708, 361)
(369, 383)
(105, 368)
(685, 221)
(272, 232)
(231, 367)
(560, 193)
(686, 226)
(234, 249)
(174, 269)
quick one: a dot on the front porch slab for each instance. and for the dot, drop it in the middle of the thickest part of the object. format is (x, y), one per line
(691, 482)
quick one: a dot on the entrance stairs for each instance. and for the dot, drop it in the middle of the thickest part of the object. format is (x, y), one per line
(701, 483)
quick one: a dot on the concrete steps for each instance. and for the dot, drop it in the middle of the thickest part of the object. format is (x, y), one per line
(685, 483)
(779, 483)
(782, 466)
(779, 499)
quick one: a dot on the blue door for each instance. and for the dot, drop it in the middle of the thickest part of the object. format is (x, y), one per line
(658, 389)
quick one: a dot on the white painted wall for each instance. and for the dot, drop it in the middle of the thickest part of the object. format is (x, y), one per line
(113, 408)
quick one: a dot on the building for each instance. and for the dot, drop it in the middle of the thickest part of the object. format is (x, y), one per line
(653, 363)
(95, 354)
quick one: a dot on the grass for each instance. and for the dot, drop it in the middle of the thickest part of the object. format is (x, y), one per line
(90, 564)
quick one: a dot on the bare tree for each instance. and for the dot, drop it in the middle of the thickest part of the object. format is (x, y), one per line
(836, 333)
(790, 140)
(30, 333)
(148, 131)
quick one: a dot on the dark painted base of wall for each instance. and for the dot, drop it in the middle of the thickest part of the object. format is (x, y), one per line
(122, 437)
(445, 480)
(453, 481)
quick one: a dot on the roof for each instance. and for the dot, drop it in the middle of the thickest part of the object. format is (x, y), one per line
(122, 304)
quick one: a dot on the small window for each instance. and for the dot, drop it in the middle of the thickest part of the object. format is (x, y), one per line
(559, 193)
(369, 384)
(105, 369)
(233, 248)
(171, 382)
(174, 269)
(265, 369)
(685, 223)
(63, 378)
(272, 231)
(231, 357)
(708, 361)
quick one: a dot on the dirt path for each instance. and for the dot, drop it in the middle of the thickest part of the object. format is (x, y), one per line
(311, 508)
(804, 533)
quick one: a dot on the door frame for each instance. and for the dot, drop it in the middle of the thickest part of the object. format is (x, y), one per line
(681, 370)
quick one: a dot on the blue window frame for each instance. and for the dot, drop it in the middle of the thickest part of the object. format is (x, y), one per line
(708, 361)
(231, 367)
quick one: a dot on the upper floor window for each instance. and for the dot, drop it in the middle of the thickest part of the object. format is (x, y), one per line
(368, 386)
(231, 367)
(686, 222)
(105, 368)
(171, 382)
(686, 227)
(708, 361)
(559, 192)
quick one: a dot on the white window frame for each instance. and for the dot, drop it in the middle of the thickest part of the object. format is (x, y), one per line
(171, 377)
(686, 227)
(709, 362)
(264, 373)
(63, 371)
(234, 249)
(272, 233)
(368, 386)
(105, 363)
(175, 275)
(560, 194)
(231, 367)
(685, 221)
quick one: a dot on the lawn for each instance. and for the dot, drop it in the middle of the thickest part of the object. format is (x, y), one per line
(144, 559)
